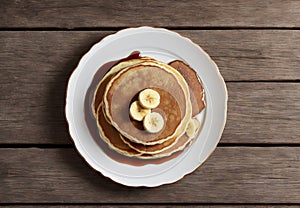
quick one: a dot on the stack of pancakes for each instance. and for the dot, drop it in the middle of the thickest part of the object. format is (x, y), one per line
(181, 99)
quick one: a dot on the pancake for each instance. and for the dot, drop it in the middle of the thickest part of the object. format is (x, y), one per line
(196, 88)
(121, 143)
(129, 82)
(111, 136)
(100, 89)
(146, 149)
(115, 141)
(183, 106)
(174, 144)
(98, 99)
(181, 143)
(149, 149)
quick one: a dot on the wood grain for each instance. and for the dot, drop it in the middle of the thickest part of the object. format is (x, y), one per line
(36, 66)
(158, 206)
(34, 73)
(119, 13)
(255, 55)
(255, 114)
(231, 175)
(240, 54)
(256, 45)
(263, 113)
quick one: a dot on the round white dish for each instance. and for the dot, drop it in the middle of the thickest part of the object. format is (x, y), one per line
(163, 45)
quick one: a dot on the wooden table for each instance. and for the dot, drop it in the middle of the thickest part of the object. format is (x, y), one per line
(256, 45)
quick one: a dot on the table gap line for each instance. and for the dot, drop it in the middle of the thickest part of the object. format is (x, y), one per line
(258, 145)
(124, 27)
(266, 81)
(70, 146)
(147, 204)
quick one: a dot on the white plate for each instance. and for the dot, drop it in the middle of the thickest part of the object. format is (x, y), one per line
(163, 45)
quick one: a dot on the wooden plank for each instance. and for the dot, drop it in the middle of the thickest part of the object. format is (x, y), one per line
(240, 54)
(158, 206)
(74, 14)
(34, 74)
(252, 54)
(231, 175)
(263, 113)
(36, 66)
(257, 113)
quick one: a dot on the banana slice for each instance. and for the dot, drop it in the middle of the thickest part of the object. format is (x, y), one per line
(149, 98)
(137, 112)
(192, 128)
(153, 122)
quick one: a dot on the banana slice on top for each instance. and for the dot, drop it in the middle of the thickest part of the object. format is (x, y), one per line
(149, 98)
(153, 122)
(137, 112)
